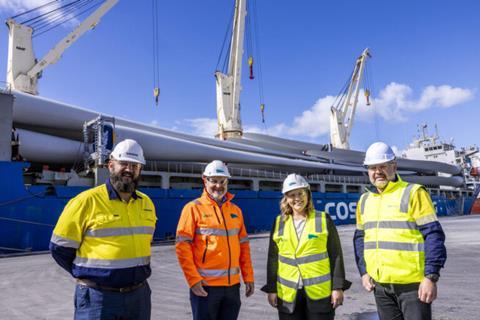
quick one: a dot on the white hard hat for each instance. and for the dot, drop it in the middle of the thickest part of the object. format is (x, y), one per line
(216, 168)
(294, 181)
(378, 153)
(128, 150)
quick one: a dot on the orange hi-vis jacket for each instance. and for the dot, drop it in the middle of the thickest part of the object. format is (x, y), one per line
(212, 243)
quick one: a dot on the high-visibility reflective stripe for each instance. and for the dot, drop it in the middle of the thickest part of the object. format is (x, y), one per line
(426, 219)
(302, 260)
(316, 280)
(406, 198)
(244, 239)
(363, 201)
(287, 283)
(394, 246)
(218, 272)
(183, 239)
(281, 226)
(110, 232)
(391, 225)
(318, 221)
(64, 242)
(196, 201)
(217, 232)
(111, 264)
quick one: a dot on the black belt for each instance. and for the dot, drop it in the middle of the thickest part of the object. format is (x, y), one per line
(398, 288)
(93, 285)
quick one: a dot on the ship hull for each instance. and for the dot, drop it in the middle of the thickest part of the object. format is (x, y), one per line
(29, 214)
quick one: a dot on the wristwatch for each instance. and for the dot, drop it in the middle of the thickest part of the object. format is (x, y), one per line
(433, 277)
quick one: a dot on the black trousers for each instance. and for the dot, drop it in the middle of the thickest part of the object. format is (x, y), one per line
(400, 302)
(222, 303)
(303, 312)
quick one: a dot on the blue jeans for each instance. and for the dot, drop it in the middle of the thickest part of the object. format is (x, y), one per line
(222, 303)
(95, 304)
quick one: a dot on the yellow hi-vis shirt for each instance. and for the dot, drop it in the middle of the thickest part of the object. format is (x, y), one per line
(108, 234)
(393, 245)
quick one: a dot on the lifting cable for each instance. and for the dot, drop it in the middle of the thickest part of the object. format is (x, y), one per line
(46, 14)
(342, 94)
(371, 86)
(156, 55)
(224, 53)
(366, 84)
(55, 13)
(249, 41)
(89, 9)
(58, 16)
(31, 10)
(257, 51)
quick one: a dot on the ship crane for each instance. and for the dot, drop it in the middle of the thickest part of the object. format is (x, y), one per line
(229, 84)
(342, 115)
(24, 70)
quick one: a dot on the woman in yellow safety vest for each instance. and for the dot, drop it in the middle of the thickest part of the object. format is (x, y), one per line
(305, 271)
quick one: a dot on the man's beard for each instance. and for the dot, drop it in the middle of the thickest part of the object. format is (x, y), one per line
(117, 182)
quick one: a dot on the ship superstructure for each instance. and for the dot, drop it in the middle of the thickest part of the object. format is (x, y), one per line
(430, 147)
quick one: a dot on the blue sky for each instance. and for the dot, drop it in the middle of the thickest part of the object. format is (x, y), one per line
(424, 68)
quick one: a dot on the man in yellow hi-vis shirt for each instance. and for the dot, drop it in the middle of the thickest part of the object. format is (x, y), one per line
(103, 240)
(399, 243)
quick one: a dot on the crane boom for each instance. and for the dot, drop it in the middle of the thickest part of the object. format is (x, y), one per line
(229, 85)
(341, 117)
(23, 69)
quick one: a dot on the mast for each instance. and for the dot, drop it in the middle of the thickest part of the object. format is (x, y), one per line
(229, 85)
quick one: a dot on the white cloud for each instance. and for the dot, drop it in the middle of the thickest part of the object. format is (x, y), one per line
(395, 102)
(17, 6)
(444, 96)
(314, 122)
(204, 127)
(14, 7)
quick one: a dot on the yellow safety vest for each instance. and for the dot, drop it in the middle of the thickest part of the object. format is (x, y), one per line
(393, 245)
(108, 234)
(306, 257)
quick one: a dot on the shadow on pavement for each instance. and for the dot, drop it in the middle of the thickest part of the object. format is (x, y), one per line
(364, 316)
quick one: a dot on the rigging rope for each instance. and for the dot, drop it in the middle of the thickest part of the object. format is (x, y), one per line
(228, 33)
(258, 55)
(72, 17)
(156, 55)
(31, 10)
(342, 94)
(49, 12)
(62, 16)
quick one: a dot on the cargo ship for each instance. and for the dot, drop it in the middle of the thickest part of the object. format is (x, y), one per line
(51, 151)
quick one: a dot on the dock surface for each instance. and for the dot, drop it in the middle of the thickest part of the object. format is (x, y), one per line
(34, 287)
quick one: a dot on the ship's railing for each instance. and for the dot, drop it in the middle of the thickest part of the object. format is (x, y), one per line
(197, 168)
(331, 178)
(239, 172)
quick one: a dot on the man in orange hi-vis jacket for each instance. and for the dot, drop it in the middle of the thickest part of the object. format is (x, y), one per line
(212, 249)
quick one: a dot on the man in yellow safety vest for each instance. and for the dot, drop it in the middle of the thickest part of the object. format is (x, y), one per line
(399, 243)
(103, 239)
